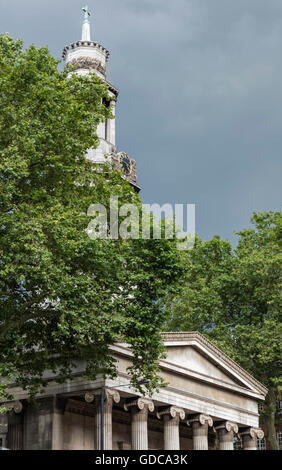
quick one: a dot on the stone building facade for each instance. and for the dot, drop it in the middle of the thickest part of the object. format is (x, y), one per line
(208, 400)
(84, 57)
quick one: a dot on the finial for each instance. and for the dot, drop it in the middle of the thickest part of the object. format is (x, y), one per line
(86, 13)
(86, 25)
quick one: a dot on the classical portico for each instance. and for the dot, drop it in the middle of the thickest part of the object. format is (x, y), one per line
(207, 401)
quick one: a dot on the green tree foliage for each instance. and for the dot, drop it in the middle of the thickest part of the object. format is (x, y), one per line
(64, 296)
(234, 298)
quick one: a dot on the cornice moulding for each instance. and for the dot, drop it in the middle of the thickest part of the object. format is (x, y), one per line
(189, 338)
(92, 44)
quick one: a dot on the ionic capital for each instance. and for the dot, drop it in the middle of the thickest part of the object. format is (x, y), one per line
(227, 426)
(141, 403)
(201, 419)
(17, 406)
(89, 397)
(111, 396)
(172, 411)
(252, 433)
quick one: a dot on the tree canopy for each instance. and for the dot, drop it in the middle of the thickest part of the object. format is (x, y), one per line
(234, 298)
(63, 295)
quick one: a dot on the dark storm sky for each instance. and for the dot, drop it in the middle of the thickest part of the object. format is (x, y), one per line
(200, 104)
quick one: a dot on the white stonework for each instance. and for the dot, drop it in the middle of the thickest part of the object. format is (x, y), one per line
(91, 57)
(205, 389)
(171, 418)
(226, 433)
(208, 398)
(139, 409)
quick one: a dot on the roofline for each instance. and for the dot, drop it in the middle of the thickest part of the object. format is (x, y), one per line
(79, 43)
(195, 335)
(112, 88)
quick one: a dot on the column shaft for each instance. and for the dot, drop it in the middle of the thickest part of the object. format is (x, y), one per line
(15, 431)
(139, 428)
(108, 425)
(226, 439)
(249, 437)
(139, 408)
(200, 436)
(3, 429)
(108, 429)
(112, 125)
(111, 396)
(171, 433)
(15, 437)
(249, 443)
(97, 424)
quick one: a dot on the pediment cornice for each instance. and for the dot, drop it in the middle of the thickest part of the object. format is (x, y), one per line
(244, 384)
(202, 344)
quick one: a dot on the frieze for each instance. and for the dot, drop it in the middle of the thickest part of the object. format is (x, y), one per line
(79, 407)
(88, 63)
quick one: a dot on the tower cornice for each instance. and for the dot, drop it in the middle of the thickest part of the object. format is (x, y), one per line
(85, 57)
(90, 44)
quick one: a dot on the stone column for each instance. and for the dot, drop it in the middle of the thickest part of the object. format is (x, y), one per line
(3, 429)
(249, 437)
(58, 424)
(200, 424)
(226, 431)
(171, 417)
(139, 421)
(15, 427)
(112, 124)
(111, 397)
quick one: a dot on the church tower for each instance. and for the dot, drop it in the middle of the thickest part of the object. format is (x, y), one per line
(89, 56)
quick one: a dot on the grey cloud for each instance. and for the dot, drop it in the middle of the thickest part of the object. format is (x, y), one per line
(200, 95)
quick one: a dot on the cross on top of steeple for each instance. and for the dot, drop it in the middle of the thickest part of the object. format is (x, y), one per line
(86, 12)
(86, 25)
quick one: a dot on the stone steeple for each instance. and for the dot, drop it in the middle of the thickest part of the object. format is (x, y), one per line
(91, 57)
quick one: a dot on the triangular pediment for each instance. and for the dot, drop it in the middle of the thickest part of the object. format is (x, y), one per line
(192, 354)
(189, 358)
